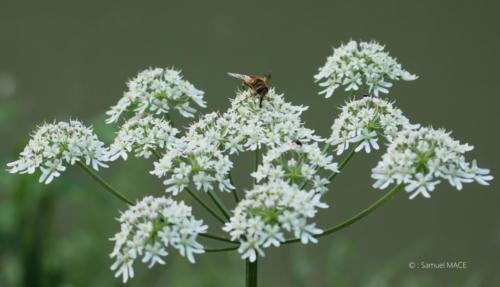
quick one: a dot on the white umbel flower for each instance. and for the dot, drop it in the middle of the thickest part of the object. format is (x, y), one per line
(201, 157)
(363, 121)
(156, 91)
(149, 228)
(143, 136)
(195, 159)
(52, 146)
(287, 195)
(356, 65)
(245, 126)
(421, 158)
(297, 163)
(268, 212)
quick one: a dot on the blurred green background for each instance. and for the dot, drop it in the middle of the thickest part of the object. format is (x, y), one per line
(62, 59)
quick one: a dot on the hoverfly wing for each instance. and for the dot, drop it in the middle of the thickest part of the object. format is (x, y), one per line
(242, 77)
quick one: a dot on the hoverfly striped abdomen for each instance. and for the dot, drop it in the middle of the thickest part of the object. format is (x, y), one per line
(261, 87)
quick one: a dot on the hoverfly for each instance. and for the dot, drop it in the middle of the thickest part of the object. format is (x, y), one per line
(258, 84)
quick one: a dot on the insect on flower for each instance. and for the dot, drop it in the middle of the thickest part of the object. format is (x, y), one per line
(258, 84)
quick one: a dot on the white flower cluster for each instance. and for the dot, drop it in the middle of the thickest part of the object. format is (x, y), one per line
(268, 211)
(363, 121)
(155, 92)
(148, 228)
(144, 136)
(53, 145)
(278, 203)
(201, 156)
(194, 158)
(246, 126)
(297, 163)
(419, 158)
(356, 64)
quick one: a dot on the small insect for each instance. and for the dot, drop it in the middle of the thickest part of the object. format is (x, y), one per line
(298, 142)
(258, 84)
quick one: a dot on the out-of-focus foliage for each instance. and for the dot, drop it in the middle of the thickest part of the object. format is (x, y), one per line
(391, 272)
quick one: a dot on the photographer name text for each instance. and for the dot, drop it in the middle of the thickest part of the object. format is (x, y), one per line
(436, 265)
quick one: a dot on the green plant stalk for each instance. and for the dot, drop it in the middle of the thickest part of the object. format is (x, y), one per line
(251, 273)
(120, 196)
(327, 231)
(216, 237)
(156, 154)
(344, 162)
(223, 249)
(235, 194)
(252, 267)
(356, 217)
(341, 166)
(219, 203)
(212, 212)
(257, 160)
(104, 184)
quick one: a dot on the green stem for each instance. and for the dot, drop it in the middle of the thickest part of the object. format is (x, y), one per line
(235, 194)
(251, 267)
(257, 159)
(223, 249)
(218, 203)
(156, 154)
(216, 237)
(344, 162)
(341, 166)
(169, 119)
(104, 184)
(213, 213)
(251, 273)
(356, 217)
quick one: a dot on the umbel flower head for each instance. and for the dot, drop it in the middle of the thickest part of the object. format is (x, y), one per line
(287, 195)
(201, 156)
(363, 121)
(268, 211)
(355, 65)
(52, 146)
(156, 91)
(245, 126)
(297, 163)
(421, 158)
(149, 228)
(194, 159)
(144, 136)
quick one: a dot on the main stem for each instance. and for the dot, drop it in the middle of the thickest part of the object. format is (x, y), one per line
(251, 267)
(251, 273)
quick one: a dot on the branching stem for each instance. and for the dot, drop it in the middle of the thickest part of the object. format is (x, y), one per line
(104, 184)
(222, 249)
(356, 217)
(220, 205)
(211, 211)
(217, 237)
